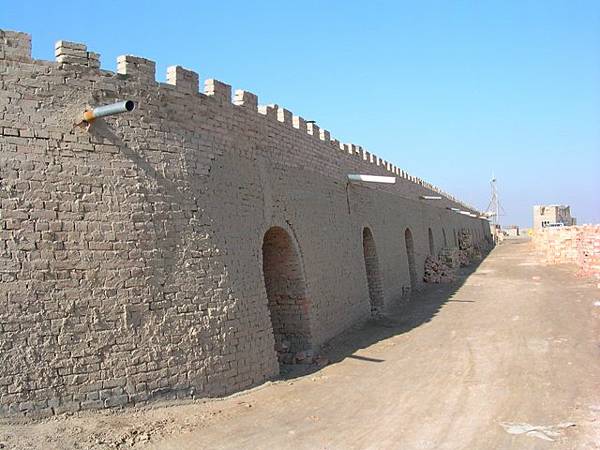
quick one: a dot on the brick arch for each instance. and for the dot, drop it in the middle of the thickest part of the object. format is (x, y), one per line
(410, 254)
(431, 242)
(374, 278)
(483, 226)
(285, 285)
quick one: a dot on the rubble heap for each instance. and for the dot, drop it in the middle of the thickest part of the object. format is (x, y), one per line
(436, 271)
(287, 356)
(465, 240)
(450, 256)
(465, 247)
(469, 251)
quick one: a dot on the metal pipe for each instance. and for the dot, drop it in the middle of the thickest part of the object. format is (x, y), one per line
(431, 197)
(109, 110)
(372, 178)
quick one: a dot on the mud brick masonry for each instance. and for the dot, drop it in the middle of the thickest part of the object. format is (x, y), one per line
(181, 249)
(578, 245)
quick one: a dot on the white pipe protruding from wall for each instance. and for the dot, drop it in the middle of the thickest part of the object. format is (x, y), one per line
(371, 179)
(108, 110)
(431, 197)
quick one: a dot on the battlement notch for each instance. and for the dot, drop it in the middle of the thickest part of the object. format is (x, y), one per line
(313, 129)
(299, 123)
(284, 116)
(15, 46)
(136, 67)
(184, 79)
(218, 90)
(246, 99)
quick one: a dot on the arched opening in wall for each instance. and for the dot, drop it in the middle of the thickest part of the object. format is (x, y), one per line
(286, 294)
(374, 280)
(410, 254)
(431, 242)
(445, 238)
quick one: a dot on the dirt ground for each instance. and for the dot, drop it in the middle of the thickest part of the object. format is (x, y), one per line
(507, 357)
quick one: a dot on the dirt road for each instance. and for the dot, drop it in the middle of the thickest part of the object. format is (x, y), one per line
(508, 358)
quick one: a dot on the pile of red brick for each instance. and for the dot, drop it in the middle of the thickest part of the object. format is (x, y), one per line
(588, 252)
(557, 245)
(577, 244)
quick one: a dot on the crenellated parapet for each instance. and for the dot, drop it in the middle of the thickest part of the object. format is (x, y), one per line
(133, 217)
(16, 46)
(246, 99)
(134, 66)
(73, 53)
(184, 79)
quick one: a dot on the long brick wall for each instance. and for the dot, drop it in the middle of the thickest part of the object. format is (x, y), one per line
(182, 249)
(577, 244)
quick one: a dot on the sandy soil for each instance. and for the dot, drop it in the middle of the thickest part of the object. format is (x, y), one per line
(506, 357)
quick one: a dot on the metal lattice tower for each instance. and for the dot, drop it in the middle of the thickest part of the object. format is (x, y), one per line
(494, 208)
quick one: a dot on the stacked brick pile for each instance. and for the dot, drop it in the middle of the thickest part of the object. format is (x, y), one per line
(466, 249)
(436, 271)
(557, 245)
(588, 251)
(577, 244)
(450, 257)
(465, 240)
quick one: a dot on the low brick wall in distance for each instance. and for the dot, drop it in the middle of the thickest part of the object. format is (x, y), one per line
(577, 244)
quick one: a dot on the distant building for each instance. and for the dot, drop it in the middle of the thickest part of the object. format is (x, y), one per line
(512, 230)
(496, 232)
(552, 215)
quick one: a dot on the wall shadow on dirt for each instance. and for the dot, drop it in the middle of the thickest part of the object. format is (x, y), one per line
(421, 308)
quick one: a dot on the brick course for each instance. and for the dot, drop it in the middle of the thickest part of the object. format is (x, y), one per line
(576, 244)
(131, 251)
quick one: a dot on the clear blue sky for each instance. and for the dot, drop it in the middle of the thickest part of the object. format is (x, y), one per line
(448, 90)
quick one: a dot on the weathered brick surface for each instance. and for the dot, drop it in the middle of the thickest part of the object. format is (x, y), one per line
(576, 244)
(131, 252)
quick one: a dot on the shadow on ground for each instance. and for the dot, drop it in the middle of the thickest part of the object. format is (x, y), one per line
(421, 307)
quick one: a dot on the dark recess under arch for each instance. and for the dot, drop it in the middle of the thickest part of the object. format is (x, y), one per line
(374, 280)
(410, 253)
(286, 293)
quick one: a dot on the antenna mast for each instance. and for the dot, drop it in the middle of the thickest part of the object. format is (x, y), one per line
(493, 209)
